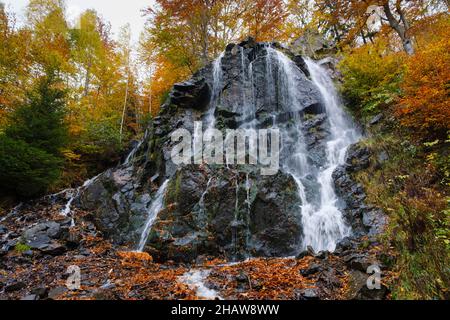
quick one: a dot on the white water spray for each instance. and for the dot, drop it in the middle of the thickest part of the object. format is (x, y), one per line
(195, 280)
(210, 120)
(323, 222)
(155, 207)
(74, 193)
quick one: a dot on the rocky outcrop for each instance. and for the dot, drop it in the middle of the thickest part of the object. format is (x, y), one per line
(219, 210)
(363, 218)
(215, 218)
(313, 44)
(227, 214)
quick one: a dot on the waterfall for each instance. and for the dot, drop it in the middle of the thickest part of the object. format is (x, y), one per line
(210, 119)
(133, 152)
(74, 193)
(201, 203)
(326, 226)
(323, 222)
(155, 207)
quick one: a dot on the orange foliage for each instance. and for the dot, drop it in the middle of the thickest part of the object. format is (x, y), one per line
(135, 256)
(264, 21)
(425, 105)
(164, 77)
(268, 279)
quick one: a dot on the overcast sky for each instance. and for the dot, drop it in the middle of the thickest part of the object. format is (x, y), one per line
(118, 12)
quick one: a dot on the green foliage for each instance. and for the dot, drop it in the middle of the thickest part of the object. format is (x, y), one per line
(25, 170)
(100, 138)
(31, 145)
(40, 121)
(408, 189)
(372, 78)
(21, 248)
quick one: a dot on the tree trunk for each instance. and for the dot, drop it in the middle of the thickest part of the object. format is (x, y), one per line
(402, 30)
(124, 109)
(87, 80)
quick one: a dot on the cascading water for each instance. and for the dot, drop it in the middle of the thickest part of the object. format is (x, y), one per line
(323, 222)
(195, 279)
(133, 152)
(73, 194)
(210, 119)
(326, 226)
(155, 207)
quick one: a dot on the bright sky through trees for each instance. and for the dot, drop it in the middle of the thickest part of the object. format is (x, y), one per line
(110, 10)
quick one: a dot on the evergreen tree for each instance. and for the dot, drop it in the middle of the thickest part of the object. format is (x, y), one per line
(31, 145)
(40, 121)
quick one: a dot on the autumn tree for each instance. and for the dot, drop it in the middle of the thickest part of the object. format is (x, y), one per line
(185, 35)
(15, 64)
(347, 20)
(425, 106)
(87, 49)
(264, 20)
(50, 34)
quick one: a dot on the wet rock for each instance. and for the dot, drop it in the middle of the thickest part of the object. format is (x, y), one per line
(54, 249)
(322, 255)
(358, 158)
(358, 289)
(309, 252)
(194, 93)
(41, 235)
(329, 279)
(28, 253)
(358, 262)
(15, 286)
(375, 120)
(300, 62)
(268, 227)
(10, 245)
(108, 286)
(56, 293)
(73, 239)
(50, 229)
(308, 294)
(30, 297)
(363, 219)
(3, 230)
(344, 245)
(375, 221)
(41, 292)
(312, 270)
(39, 241)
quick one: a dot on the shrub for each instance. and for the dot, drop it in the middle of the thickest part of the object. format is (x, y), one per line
(25, 170)
(371, 77)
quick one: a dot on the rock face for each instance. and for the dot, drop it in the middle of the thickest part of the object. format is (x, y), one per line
(218, 210)
(363, 219)
(227, 213)
(313, 44)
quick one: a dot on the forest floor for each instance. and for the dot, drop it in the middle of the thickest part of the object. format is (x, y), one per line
(112, 272)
